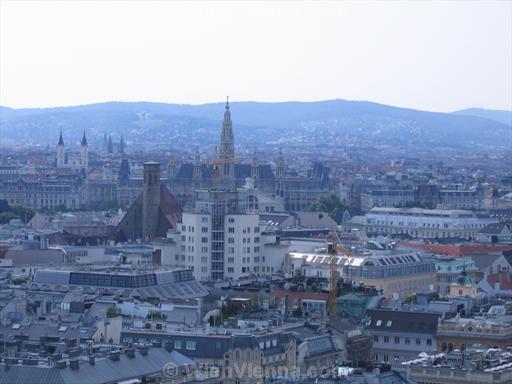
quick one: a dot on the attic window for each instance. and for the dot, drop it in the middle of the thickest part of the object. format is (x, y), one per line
(16, 326)
(388, 324)
(379, 323)
(63, 328)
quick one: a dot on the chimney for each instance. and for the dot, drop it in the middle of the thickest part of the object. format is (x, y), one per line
(74, 364)
(92, 360)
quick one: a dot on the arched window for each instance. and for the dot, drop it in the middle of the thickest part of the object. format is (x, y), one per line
(248, 355)
(237, 355)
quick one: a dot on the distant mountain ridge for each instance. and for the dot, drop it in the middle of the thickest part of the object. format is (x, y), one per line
(504, 117)
(254, 123)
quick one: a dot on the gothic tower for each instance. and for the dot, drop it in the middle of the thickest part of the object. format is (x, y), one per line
(84, 155)
(60, 152)
(120, 149)
(150, 200)
(110, 146)
(227, 141)
(226, 150)
(124, 174)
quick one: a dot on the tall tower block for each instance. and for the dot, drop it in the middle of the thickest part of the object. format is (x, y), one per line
(150, 200)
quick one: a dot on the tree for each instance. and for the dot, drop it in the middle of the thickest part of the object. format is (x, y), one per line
(9, 212)
(332, 205)
(112, 311)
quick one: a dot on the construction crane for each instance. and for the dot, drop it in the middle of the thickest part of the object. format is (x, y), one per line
(217, 163)
(334, 249)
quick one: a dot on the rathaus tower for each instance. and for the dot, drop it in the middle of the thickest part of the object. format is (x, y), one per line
(227, 141)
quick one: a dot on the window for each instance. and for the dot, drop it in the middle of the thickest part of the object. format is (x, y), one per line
(177, 344)
(231, 270)
(191, 345)
(407, 341)
(429, 341)
(231, 230)
(397, 340)
(256, 249)
(256, 229)
(204, 229)
(376, 338)
(386, 339)
(231, 240)
(204, 240)
(204, 219)
(231, 220)
(256, 239)
(388, 324)
(379, 323)
(418, 341)
(386, 358)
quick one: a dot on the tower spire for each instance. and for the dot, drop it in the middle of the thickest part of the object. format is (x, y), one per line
(227, 141)
(84, 140)
(61, 140)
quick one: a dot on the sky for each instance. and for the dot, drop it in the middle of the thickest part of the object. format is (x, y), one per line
(435, 55)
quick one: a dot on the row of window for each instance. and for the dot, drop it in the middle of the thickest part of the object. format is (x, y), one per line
(407, 340)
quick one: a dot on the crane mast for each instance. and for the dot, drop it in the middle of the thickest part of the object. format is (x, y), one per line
(333, 291)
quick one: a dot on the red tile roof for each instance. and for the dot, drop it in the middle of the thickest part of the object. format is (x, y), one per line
(504, 278)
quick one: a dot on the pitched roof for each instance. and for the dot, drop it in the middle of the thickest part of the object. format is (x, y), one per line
(503, 278)
(497, 228)
(402, 321)
(170, 211)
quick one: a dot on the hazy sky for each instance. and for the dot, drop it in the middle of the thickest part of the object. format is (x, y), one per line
(443, 55)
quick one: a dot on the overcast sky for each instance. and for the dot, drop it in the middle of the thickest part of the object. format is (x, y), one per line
(442, 56)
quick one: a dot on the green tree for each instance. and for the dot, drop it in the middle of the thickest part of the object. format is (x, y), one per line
(112, 311)
(8, 212)
(332, 205)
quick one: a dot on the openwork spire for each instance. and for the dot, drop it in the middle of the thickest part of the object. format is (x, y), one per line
(227, 141)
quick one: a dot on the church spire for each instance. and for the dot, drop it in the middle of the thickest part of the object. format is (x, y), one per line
(84, 140)
(227, 141)
(61, 140)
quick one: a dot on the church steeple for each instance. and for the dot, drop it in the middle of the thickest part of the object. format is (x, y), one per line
(227, 141)
(61, 140)
(84, 140)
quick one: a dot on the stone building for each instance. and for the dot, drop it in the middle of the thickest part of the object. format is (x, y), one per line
(153, 213)
(75, 160)
(298, 192)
